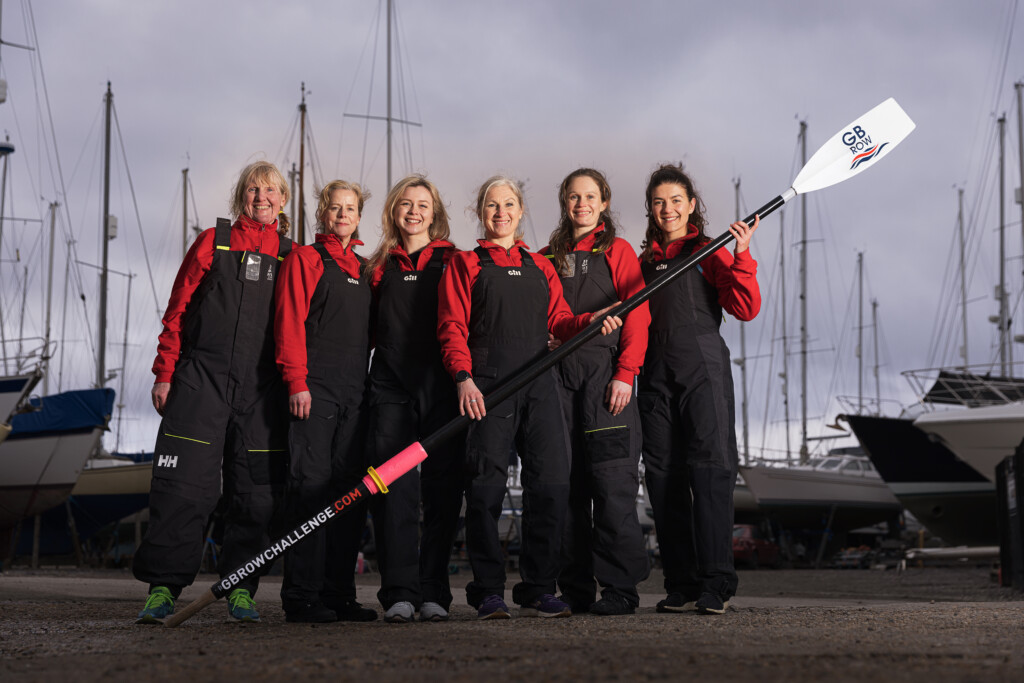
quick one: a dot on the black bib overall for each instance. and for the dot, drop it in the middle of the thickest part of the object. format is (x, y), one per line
(226, 411)
(411, 396)
(327, 448)
(602, 538)
(687, 407)
(508, 330)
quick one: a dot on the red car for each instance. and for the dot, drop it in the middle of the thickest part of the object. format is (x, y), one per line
(752, 547)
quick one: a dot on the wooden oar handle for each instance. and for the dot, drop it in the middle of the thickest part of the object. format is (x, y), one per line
(178, 617)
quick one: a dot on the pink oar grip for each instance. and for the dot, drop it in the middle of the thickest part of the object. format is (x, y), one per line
(397, 466)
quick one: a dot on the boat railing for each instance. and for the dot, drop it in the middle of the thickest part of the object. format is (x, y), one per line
(23, 356)
(971, 386)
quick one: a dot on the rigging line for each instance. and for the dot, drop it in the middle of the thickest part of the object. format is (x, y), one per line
(314, 157)
(369, 98)
(403, 96)
(352, 88)
(138, 217)
(942, 324)
(68, 233)
(995, 85)
(771, 365)
(282, 150)
(195, 211)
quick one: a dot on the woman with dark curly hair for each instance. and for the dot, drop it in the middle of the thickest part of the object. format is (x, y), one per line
(602, 534)
(686, 396)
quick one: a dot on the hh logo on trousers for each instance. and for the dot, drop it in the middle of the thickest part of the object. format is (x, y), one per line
(167, 461)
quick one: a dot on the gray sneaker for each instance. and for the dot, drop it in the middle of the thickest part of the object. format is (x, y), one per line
(400, 613)
(431, 611)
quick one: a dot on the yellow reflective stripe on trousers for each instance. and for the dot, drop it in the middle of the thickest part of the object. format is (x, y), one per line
(605, 429)
(175, 436)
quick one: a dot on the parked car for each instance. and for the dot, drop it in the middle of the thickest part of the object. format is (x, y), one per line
(752, 547)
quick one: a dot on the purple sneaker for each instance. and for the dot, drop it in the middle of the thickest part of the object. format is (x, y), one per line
(493, 607)
(545, 606)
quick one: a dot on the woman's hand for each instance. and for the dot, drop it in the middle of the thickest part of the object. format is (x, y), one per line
(553, 342)
(471, 401)
(298, 404)
(611, 323)
(617, 396)
(743, 232)
(159, 393)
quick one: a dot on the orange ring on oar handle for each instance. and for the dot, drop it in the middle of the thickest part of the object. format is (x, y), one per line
(381, 486)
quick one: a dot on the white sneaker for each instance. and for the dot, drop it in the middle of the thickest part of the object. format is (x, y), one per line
(400, 613)
(431, 611)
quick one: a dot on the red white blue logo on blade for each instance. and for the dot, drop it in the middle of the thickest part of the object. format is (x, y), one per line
(868, 155)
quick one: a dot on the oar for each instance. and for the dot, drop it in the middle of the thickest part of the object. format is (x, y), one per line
(852, 150)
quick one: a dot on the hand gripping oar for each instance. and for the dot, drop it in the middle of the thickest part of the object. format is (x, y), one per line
(847, 153)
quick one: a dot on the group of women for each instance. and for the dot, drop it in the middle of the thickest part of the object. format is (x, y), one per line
(264, 381)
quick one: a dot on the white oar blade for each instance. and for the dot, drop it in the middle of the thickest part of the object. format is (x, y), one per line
(856, 147)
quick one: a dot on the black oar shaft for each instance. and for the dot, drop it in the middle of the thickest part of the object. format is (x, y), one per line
(510, 385)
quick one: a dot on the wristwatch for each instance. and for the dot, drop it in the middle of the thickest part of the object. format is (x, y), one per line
(462, 376)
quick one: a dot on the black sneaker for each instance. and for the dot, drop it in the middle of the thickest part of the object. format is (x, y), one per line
(709, 603)
(612, 604)
(350, 610)
(577, 606)
(677, 602)
(309, 613)
(546, 606)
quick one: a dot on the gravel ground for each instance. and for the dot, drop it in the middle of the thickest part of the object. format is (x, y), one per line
(935, 624)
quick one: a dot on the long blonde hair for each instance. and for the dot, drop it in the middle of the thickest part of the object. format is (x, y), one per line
(391, 236)
(261, 172)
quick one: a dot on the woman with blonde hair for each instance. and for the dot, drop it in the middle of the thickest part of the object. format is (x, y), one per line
(410, 397)
(497, 305)
(221, 399)
(322, 330)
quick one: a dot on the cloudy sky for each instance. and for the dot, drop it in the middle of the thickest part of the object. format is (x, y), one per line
(533, 89)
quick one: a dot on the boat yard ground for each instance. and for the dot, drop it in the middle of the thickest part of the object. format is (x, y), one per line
(934, 624)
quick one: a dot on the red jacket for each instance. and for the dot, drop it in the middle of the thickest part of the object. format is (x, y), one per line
(404, 263)
(628, 280)
(455, 302)
(300, 273)
(735, 278)
(246, 235)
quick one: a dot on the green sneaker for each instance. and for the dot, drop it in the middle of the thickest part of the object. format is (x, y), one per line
(159, 606)
(241, 606)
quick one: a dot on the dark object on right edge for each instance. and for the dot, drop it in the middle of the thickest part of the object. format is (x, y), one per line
(1010, 491)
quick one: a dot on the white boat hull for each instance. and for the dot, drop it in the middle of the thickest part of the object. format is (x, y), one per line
(981, 437)
(39, 472)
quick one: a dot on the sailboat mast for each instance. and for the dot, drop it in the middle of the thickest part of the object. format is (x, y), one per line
(101, 351)
(803, 304)
(742, 360)
(300, 227)
(963, 274)
(785, 339)
(49, 296)
(1001, 294)
(860, 333)
(874, 334)
(7, 149)
(184, 212)
(389, 93)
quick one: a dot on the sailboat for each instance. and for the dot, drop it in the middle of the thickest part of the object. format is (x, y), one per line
(833, 493)
(50, 438)
(941, 463)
